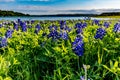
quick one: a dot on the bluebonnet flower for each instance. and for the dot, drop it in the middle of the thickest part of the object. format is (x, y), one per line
(15, 26)
(8, 33)
(100, 33)
(78, 46)
(79, 30)
(96, 22)
(84, 25)
(0, 25)
(19, 20)
(62, 24)
(32, 21)
(106, 24)
(78, 25)
(54, 34)
(116, 27)
(50, 28)
(53, 27)
(23, 26)
(83, 78)
(37, 28)
(64, 35)
(3, 42)
(67, 28)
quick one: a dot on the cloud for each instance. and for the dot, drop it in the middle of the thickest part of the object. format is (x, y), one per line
(42, 0)
(36, 0)
(7, 0)
(45, 10)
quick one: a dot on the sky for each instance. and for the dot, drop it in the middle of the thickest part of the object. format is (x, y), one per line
(45, 7)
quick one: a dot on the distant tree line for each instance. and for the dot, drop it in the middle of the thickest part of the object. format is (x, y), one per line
(110, 14)
(11, 13)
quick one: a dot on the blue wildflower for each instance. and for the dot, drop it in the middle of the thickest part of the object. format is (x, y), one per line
(0, 25)
(15, 26)
(83, 78)
(78, 46)
(54, 34)
(8, 33)
(32, 21)
(62, 24)
(96, 22)
(23, 26)
(37, 29)
(116, 27)
(79, 30)
(53, 27)
(3, 42)
(64, 35)
(106, 24)
(19, 20)
(67, 28)
(100, 33)
(78, 25)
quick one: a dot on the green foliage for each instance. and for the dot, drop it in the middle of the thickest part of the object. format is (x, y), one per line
(33, 57)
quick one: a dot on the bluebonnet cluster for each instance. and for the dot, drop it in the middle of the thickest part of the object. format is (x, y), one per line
(0, 25)
(3, 42)
(79, 27)
(15, 26)
(37, 28)
(78, 45)
(8, 33)
(23, 26)
(64, 35)
(53, 27)
(32, 21)
(106, 24)
(53, 32)
(83, 78)
(63, 26)
(19, 20)
(100, 33)
(117, 27)
(96, 22)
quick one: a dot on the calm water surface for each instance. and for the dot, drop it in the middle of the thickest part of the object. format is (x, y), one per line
(49, 18)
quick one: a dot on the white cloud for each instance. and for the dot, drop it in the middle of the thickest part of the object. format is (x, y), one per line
(42, 0)
(7, 0)
(36, 0)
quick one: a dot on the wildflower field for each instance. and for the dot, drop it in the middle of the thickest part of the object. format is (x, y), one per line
(60, 50)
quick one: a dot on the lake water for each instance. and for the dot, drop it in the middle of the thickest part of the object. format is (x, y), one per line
(49, 18)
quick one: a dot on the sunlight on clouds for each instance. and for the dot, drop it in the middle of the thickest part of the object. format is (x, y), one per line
(61, 6)
(7, 0)
(36, 0)
(41, 0)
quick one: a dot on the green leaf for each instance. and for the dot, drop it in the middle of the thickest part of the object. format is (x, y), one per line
(116, 64)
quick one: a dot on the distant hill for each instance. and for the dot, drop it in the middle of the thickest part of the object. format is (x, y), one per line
(110, 14)
(11, 13)
(82, 15)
